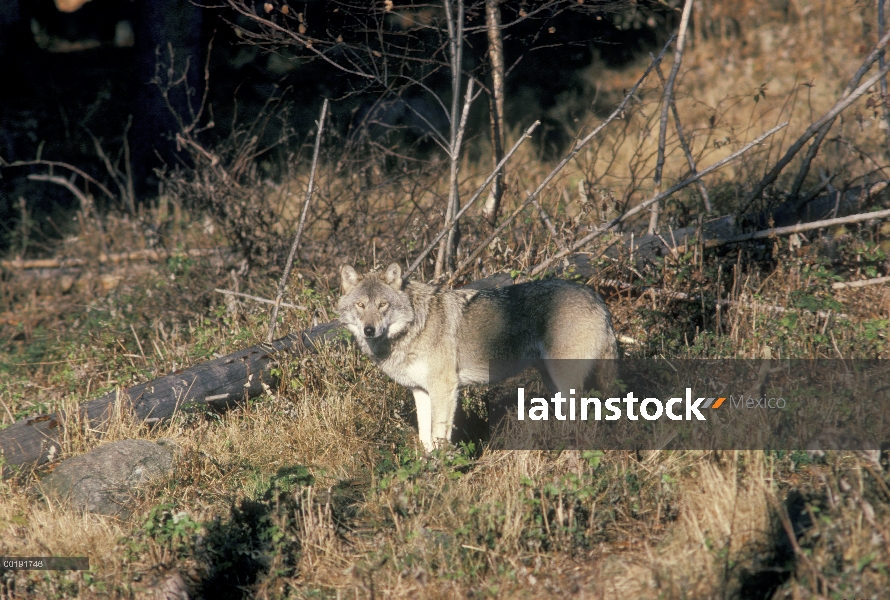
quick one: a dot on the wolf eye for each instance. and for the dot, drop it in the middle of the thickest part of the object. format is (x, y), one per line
(360, 304)
(383, 305)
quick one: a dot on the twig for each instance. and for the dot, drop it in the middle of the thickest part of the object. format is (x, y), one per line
(473, 199)
(885, 110)
(314, 45)
(454, 191)
(125, 186)
(687, 150)
(8, 412)
(876, 54)
(803, 200)
(800, 227)
(128, 167)
(138, 343)
(843, 285)
(674, 252)
(666, 102)
(643, 205)
(577, 148)
(296, 244)
(86, 203)
(258, 299)
(550, 227)
(812, 130)
(52, 163)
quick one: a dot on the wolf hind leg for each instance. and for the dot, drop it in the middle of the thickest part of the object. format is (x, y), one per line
(423, 407)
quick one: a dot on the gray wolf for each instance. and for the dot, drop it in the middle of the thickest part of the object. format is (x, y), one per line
(434, 341)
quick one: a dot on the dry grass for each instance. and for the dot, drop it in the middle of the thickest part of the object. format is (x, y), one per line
(319, 488)
(732, 89)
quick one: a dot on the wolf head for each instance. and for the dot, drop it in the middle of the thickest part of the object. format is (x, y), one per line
(374, 306)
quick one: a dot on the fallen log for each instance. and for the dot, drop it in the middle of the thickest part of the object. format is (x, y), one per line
(114, 259)
(777, 231)
(727, 230)
(843, 285)
(219, 384)
(711, 301)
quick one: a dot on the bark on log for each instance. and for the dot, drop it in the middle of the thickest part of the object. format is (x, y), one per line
(220, 384)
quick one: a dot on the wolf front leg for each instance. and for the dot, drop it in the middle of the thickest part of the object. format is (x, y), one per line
(423, 408)
(444, 404)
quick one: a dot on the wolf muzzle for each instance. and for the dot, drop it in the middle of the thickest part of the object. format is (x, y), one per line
(370, 331)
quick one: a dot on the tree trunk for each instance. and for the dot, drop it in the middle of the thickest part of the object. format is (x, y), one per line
(666, 102)
(445, 258)
(496, 103)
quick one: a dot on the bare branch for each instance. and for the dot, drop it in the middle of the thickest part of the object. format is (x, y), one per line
(455, 23)
(128, 168)
(643, 205)
(768, 233)
(296, 244)
(885, 110)
(667, 101)
(548, 223)
(302, 40)
(73, 169)
(874, 55)
(577, 148)
(812, 130)
(690, 160)
(85, 204)
(472, 199)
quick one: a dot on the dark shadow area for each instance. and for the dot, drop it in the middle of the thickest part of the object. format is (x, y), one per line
(237, 551)
(775, 566)
(471, 420)
(71, 76)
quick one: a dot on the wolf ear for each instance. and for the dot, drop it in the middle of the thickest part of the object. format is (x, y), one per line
(393, 276)
(349, 278)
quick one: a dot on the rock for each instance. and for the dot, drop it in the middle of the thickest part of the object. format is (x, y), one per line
(165, 584)
(104, 480)
(83, 283)
(109, 282)
(66, 282)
